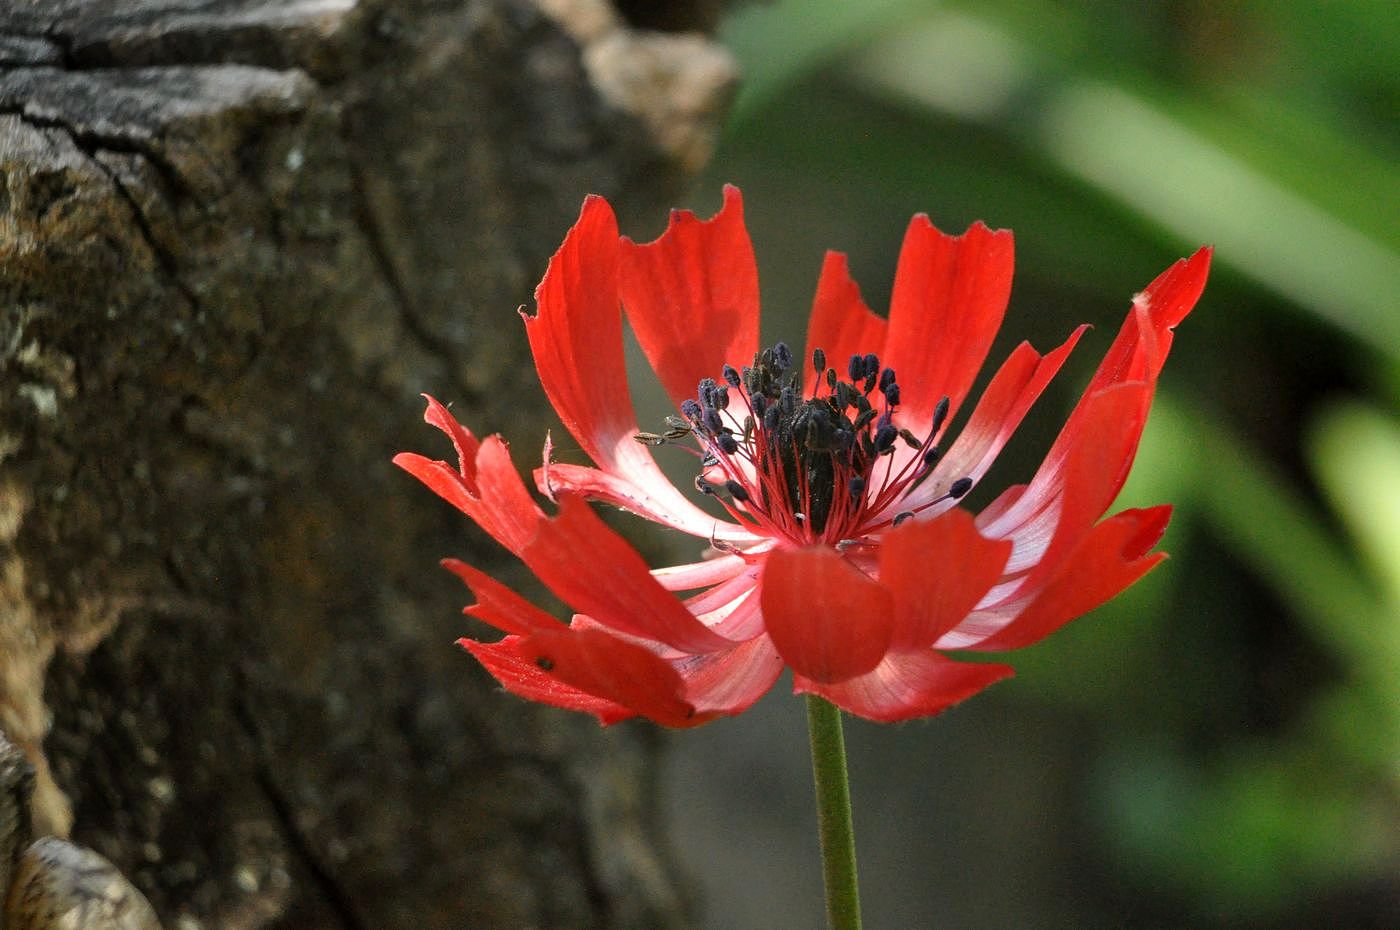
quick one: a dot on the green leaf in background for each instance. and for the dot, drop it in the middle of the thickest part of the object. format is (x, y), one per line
(1355, 450)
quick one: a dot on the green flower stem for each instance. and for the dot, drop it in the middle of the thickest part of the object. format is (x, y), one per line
(834, 814)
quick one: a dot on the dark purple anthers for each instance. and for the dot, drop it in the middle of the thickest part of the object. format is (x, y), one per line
(809, 466)
(940, 413)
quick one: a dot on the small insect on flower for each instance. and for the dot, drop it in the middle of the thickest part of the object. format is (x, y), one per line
(844, 553)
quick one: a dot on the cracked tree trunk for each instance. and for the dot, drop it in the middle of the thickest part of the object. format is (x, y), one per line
(237, 239)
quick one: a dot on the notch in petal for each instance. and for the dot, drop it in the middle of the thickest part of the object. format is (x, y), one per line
(949, 297)
(692, 296)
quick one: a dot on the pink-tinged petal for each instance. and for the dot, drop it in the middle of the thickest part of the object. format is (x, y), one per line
(1114, 555)
(841, 324)
(651, 497)
(937, 571)
(525, 679)
(727, 683)
(1062, 504)
(1000, 505)
(828, 620)
(949, 297)
(598, 573)
(597, 663)
(702, 574)
(692, 296)
(906, 685)
(741, 617)
(497, 604)
(715, 597)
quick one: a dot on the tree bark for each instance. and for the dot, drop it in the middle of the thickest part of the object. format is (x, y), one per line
(239, 238)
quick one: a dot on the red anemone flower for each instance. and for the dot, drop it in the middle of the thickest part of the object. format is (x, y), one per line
(845, 555)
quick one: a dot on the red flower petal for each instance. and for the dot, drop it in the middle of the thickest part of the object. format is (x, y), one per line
(1113, 556)
(841, 324)
(1003, 405)
(906, 685)
(828, 620)
(727, 683)
(731, 608)
(575, 554)
(1137, 355)
(1067, 497)
(576, 338)
(497, 604)
(937, 571)
(576, 335)
(651, 497)
(444, 480)
(598, 573)
(692, 296)
(949, 297)
(488, 489)
(1141, 347)
(525, 679)
(462, 439)
(704, 573)
(597, 663)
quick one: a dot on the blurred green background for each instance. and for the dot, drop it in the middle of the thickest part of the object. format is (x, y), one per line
(1221, 746)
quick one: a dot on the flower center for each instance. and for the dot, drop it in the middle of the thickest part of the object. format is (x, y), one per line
(807, 468)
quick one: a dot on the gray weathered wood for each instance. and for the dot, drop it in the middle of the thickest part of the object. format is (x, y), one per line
(237, 239)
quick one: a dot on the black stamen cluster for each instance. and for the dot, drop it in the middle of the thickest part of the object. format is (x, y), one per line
(808, 442)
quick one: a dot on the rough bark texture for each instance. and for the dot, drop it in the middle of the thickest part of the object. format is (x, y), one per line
(237, 239)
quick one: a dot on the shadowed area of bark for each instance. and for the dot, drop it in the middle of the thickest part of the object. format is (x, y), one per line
(238, 239)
